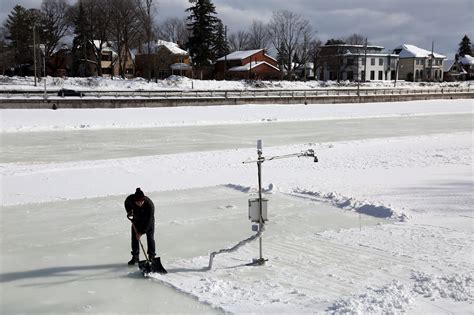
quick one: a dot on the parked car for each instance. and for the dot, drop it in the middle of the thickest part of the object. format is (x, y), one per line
(68, 92)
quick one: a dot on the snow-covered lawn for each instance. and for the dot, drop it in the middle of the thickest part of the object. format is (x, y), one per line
(410, 249)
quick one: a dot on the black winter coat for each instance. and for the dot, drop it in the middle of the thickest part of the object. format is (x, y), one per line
(144, 216)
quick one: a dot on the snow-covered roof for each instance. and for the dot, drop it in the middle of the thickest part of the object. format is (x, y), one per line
(467, 60)
(447, 64)
(172, 47)
(253, 64)
(358, 46)
(411, 51)
(240, 54)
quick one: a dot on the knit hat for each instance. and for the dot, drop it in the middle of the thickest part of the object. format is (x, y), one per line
(139, 195)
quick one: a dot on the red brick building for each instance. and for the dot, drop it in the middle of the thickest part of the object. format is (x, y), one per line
(247, 64)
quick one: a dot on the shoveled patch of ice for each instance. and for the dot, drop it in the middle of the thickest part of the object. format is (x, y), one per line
(346, 203)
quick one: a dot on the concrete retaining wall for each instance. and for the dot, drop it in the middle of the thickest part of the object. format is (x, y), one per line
(13, 103)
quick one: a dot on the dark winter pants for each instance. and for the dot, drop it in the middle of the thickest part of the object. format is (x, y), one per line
(150, 239)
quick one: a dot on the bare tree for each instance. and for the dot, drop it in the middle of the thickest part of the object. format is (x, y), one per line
(174, 30)
(314, 49)
(288, 32)
(355, 39)
(258, 36)
(146, 10)
(125, 27)
(95, 20)
(56, 23)
(238, 41)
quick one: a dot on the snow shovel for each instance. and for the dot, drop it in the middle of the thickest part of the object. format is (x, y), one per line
(148, 266)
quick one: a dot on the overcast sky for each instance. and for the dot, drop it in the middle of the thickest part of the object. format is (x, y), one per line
(387, 23)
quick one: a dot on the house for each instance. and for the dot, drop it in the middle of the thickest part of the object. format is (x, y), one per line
(467, 63)
(110, 61)
(304, 71)
(417, 64)
(60, 62)
(453, 71)
(165, 59)
(355, 63)
(247, 64)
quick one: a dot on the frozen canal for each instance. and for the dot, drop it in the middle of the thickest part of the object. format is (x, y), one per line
(122, 143)
(65, 239)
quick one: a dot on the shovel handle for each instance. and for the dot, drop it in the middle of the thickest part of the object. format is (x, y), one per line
(138, 238)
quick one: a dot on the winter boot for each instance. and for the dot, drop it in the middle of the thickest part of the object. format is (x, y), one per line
(133, 261)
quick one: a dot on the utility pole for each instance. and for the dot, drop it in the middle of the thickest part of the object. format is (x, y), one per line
(365, 59)
(34, 50)
(225, 56)
(432, 60)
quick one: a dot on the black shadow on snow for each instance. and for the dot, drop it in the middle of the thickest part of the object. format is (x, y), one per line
(55, 271)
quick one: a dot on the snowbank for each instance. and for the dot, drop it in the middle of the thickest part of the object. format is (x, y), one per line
(184, 83)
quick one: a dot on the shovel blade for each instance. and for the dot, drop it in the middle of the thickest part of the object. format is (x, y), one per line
(153, 266)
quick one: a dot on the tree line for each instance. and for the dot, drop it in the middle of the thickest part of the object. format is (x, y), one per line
(129, 24)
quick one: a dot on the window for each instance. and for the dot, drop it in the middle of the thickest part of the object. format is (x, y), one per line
(350, 61)
(393, 75)
(363, 61)
(380, 75)
(362, 75)
(372, 61)
(380, 61)
(417, 74)
(430, 62)
(372, 74)
(106, 57)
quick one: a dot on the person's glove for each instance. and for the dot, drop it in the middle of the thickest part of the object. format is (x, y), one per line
(130, 216)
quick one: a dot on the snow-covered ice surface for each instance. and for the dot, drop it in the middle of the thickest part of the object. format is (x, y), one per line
(381, 224)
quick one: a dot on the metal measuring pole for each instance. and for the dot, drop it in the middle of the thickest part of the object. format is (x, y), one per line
(259, 167)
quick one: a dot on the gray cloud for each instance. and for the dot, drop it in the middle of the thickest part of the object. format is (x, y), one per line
(387, 23)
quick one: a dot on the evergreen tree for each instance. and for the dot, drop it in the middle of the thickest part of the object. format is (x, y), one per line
(221, 46)
(202, 25)
(465, 47)
(19, 27)
(282, 57)
(81, 45)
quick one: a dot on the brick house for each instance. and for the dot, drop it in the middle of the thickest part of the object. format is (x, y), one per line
(247, 64)
(417, 64)
(165, 59)
(355, 63)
